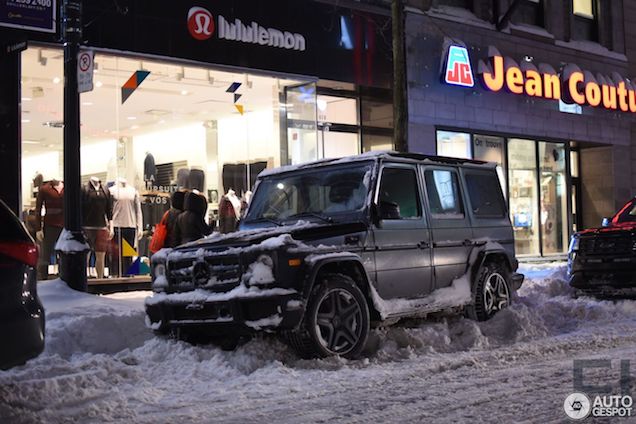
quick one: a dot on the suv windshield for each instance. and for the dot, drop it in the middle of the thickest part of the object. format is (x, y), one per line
(626, 214)
(323, 194)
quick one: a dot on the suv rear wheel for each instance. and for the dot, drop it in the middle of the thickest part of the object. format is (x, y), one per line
(491, 293)
(336, 321)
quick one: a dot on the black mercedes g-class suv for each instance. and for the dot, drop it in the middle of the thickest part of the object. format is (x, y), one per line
(602, 261)
(328, 248)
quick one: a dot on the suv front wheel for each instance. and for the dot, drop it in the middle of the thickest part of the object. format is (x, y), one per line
(336, 320)
(491, 292)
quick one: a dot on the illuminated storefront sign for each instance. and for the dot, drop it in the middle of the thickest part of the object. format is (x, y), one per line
(458, 69)
(572, 85)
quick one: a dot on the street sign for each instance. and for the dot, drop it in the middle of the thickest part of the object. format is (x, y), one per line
(85, 66)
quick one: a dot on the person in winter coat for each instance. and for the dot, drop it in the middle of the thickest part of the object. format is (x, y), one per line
(176, 208)
(191, 223)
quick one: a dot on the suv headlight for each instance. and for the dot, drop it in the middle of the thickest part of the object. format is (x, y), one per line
(574, 244)
(159, 280)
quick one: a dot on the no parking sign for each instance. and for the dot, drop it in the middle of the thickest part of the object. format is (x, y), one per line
(85, 66)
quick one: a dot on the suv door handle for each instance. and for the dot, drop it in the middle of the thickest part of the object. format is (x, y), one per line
(468, 242)
(423, 245)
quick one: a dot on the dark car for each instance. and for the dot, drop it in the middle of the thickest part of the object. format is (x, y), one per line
(602, 261)
(329, 248)
(21, 312)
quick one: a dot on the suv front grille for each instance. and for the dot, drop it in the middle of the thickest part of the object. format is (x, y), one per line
(216, 273)
(607, 245)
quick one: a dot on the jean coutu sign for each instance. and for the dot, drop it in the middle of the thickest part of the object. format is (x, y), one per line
(202, 25)
(571, 84)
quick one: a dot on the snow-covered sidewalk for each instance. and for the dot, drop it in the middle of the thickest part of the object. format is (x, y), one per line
(101, 364)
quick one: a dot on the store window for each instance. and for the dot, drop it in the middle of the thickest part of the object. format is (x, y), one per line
(453, 144)
(529, 12)
(554, 198)
(182, 128)
(338, 126)
(585, 20)
(524, 214)
(491, 149)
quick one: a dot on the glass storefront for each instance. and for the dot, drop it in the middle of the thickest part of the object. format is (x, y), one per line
(533, 175)
(524, 214)
(150, 128)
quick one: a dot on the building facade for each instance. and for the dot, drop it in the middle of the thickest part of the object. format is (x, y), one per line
(215, 90)
(544, 90)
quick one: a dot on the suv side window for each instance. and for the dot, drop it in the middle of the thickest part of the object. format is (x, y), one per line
(485, 196)
(398, 187)
(444, 198)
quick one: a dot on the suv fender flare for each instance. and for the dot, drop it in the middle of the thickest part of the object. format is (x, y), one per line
(338, 258)
(482, 254)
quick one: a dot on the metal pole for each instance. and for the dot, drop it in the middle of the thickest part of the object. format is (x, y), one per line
(72, 262)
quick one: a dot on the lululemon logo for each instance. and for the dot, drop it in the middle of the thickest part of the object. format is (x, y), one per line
(200, 23)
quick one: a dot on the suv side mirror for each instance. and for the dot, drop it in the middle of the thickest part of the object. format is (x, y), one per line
(605, 222)
(389, 210)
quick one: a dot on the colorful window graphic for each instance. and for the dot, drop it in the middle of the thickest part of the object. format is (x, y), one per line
(458, 69)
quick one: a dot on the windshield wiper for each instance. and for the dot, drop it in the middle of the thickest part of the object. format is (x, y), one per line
(325, 218)
(262, 218)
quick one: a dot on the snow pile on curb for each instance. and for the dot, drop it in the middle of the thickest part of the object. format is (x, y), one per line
(79, 323)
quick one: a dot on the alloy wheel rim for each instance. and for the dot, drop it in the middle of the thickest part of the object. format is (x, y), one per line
(338, 321)
(496, 295)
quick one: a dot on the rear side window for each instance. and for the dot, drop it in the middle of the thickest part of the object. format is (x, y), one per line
(398, 186)
(485, 195)
(10, 226)
(444, 198)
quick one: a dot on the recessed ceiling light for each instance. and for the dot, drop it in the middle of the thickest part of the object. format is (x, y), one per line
(87, 103)
(56, 80)
(163, 121)
(30, 142)
(26, 121)
(51, 145)
(131, 118)
(26, 99)
(134, 127)
(99, 84)
(184, 92)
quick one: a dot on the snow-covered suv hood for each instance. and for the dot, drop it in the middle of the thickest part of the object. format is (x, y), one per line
(301, 231)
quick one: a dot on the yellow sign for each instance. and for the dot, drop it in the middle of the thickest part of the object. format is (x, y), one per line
(127, 250)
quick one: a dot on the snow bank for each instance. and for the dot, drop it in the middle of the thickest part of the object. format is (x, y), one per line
(102, 365)
(78, 323)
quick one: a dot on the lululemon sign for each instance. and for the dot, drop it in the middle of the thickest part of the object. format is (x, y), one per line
(200, 23)
(202, 26)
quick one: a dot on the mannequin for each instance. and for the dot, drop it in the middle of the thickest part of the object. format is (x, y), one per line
(50, 204)
(97, 213)
(229, 212)
(150, 169)
(127, 221)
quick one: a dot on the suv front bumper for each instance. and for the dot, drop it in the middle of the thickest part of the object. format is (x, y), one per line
(604, 276)
(237, 316)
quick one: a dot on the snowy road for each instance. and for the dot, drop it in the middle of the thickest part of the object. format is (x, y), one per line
(102, 365)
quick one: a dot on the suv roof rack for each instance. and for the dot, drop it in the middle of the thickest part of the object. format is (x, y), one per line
(441, 159)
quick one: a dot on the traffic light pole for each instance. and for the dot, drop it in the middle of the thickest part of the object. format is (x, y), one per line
(73, 250)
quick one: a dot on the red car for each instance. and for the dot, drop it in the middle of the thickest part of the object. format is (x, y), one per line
(602, 261)
(21, 312)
